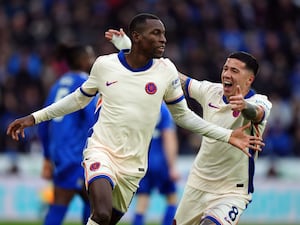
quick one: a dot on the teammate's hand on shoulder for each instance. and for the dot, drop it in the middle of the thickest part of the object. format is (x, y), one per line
(110, 33)
(119, 39)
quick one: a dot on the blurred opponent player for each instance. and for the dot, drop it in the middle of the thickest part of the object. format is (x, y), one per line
(161, 173)
(64, 138)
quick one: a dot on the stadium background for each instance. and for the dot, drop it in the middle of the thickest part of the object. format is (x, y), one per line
(200, 33)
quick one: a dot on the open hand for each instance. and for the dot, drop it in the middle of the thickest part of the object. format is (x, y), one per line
(244, 141)
(17, 127)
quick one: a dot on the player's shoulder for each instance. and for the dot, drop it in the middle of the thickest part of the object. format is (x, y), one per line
(260, 96)
(208, 85)
(167, 66)
(165, 62)
(106, 58)
(262, 100)
(212, 84)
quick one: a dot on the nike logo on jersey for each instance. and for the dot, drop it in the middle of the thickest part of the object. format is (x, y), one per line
(213, 106)
(110, 83)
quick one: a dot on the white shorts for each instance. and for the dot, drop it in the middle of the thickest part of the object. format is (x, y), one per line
(98, 164)
(223, 209)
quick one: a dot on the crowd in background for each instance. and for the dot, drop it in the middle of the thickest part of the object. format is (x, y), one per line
(200, 34)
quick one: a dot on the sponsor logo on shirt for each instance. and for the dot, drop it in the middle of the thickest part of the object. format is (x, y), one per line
(213, 106)
(176, 83)
(110, 83)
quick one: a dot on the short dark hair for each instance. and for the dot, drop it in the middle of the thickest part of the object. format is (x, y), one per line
(72, 53)
(248, 59)
(140, 19)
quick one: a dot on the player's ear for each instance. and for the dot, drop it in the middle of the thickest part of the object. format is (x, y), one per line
(135, 36)
(251, 79)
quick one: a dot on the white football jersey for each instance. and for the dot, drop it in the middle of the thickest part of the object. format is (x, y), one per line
(131, 101)
(219, 167)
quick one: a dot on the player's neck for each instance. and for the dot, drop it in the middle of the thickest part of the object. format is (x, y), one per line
(136, 61)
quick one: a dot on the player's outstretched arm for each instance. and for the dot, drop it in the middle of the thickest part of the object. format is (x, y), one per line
(187, 119)
(70, 103)
(17, 127)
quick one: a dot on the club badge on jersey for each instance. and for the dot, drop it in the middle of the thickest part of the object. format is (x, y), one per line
(150, 88)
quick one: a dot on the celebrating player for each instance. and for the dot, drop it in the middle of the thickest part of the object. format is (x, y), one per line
(132, 87)
(219, 189)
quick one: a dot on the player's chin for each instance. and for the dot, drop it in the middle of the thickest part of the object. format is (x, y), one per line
(158, 52)
(158, 55)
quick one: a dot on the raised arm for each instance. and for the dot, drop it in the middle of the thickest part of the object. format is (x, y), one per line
(249, 110)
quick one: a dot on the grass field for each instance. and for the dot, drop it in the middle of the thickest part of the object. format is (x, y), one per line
(39, 223)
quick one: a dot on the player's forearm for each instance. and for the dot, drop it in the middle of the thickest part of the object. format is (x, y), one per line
(66, 105)
(170, 146)
(187, 119)
(252, 112)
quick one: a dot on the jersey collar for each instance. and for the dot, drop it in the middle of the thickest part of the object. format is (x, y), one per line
(121, 56)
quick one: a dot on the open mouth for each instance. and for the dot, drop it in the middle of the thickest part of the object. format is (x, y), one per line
(227, 84)
(162, 48)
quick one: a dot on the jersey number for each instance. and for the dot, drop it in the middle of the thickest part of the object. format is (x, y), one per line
(233, 213)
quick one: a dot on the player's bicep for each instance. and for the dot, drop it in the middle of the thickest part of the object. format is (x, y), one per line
(196, 89)
(174, 92)
(264, 109)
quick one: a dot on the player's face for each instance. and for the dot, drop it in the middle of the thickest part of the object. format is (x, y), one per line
(152, 40)
(235, 73)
